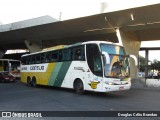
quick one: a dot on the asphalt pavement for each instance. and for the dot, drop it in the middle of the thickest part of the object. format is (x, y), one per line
(20, 97)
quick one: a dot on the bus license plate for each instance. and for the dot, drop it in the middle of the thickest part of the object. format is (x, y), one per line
(121, 88)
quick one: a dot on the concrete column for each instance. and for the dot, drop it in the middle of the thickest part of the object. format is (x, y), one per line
(1, 54)
(146, 62)
(131, 44)
(32, 46)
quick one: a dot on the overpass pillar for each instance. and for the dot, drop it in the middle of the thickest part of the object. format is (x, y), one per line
(131, 44)
(32, 46)
(1, 54)
(146, 62)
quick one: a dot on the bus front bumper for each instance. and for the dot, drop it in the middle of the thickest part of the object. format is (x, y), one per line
(109, 88)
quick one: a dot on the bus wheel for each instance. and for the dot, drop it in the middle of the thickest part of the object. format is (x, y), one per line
(78, 86)
(34, 83)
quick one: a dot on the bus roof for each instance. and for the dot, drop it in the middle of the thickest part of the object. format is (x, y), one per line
(98, 42)
(8, 60)
(59, 47)
(54, 47)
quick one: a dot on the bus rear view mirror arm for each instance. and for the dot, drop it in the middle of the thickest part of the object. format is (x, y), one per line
(106, 58)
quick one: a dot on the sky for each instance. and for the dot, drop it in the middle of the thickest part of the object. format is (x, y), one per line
(18, 10)
(153, 54)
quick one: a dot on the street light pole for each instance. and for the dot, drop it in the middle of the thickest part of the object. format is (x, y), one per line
(60, 16)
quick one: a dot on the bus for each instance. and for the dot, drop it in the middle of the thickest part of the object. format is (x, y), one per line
(98, 66)
(11, 66)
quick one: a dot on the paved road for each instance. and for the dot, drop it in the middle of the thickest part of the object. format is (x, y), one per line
(19, 97)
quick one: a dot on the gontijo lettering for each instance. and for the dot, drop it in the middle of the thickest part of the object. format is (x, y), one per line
(37, 68)
(23, 68)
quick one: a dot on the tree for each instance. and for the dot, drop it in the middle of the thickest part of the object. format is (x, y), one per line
(155, 65)
(142, 64)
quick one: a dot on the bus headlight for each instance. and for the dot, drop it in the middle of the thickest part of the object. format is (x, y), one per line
(129, 82)
(109, 83)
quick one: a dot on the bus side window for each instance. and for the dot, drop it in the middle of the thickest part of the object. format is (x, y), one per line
(32, 59)
(54, 56)
(27, 60)
(24, 60)
(6, 65)
(78, 53)
(47, 57)
(42, 58)
(94, 59)
(60, 56)
(38, 59)
(97, 63)
(66, 55)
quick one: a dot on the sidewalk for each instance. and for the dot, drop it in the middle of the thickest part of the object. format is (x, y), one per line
(137, 83)
(145, 83)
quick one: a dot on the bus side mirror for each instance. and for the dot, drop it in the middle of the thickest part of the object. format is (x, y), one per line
(135, 59)
(106, 58)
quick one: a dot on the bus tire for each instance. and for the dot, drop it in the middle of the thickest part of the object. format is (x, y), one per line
(79, 87)
(34, 82)
(28, 81)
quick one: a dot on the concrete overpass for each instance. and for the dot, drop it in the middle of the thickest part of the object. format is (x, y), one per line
(134, 25)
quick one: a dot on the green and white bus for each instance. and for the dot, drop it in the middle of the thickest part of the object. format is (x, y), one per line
(88, 66)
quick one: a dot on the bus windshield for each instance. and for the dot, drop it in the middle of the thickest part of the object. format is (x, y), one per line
(118, 63)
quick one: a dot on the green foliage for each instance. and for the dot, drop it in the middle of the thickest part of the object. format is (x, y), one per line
(155, 65)
(142, 64)
(142, 67)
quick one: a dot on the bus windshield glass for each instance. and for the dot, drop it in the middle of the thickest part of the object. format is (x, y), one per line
(117, 64)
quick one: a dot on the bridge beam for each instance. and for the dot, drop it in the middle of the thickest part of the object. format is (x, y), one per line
(131, 43)
(33, 47)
